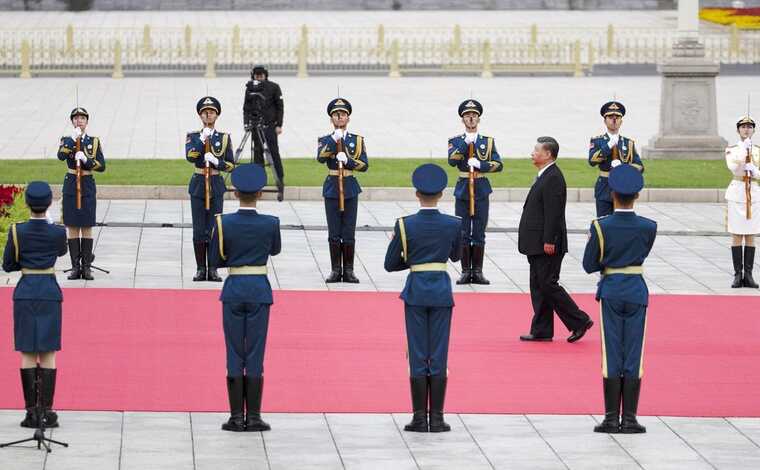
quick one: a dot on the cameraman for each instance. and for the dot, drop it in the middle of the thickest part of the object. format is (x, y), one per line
(263, 105)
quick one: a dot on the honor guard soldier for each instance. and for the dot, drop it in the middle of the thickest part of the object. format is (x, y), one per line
(343, 153)
(608, 151)
(32, 248)
(743, 200)
(243, 242)
(210, 151)
(83, 154)
(423, 243)
(617, 247)
(475, 156)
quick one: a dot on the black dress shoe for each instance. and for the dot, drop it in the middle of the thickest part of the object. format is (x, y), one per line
(534, 338)
(578, 334)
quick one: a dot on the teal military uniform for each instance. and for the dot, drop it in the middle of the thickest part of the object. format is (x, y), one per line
(243, 243)
(423, 243)
(617, 247)
(601, 155)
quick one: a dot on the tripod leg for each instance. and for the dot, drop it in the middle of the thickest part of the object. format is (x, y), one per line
(8, 444)
(57, 442)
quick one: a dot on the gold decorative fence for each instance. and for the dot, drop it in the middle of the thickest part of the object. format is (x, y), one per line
(389, 50)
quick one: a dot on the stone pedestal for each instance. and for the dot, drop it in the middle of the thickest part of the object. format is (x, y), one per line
(688, 108)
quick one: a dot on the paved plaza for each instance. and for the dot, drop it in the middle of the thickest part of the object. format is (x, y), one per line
(193, 441)
(690, 256)
(407, 117)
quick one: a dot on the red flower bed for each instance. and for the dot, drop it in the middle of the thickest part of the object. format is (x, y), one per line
(7, 194)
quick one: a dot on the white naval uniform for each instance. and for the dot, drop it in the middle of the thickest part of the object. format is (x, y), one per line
(736, 220)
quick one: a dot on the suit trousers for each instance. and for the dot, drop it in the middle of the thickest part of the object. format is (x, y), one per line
(270, 134)
(548, 296)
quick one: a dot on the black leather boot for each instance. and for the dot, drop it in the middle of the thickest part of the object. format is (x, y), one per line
(749, 263)
(466, 276)
(200, 261)
(612, 394)
(253, 391)
(75, 252)
(336, 274)
(235, 391)
(437, 397)
(478, 253)
(29, 385)
(419, 387)
(47, 393)
(87, 257)
(211, 274)
(736, 256)
(631, 390)
(348, 264)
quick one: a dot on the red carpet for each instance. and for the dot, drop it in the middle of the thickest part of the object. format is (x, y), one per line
(132, 349)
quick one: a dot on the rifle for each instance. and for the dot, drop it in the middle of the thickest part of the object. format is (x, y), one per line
(207, 172)
(78, 148)
(748, 184)
(471, 180)
(341, 193)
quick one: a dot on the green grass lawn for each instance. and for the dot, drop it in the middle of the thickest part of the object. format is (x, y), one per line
(387, 172)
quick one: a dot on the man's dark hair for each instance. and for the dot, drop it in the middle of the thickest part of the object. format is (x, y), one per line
(248, 198)
(427, 198)
(38, 210)
(625, 199)
(550, 144)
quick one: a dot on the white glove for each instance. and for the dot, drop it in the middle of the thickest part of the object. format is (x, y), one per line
(209, 157)
(474, 163)
(341, 156)
(747, 143)
(80, 156)
(337, 135)
(205, 133)
(470, 137)
(76, 133)
(615, 163)
(613, 140)
(751, 168)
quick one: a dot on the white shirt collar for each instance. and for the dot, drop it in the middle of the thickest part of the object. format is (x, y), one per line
(429, 208)
(624, 210)
(246, 208)
(542, 170)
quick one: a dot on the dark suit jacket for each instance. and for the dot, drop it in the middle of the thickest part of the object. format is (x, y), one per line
(543, 216)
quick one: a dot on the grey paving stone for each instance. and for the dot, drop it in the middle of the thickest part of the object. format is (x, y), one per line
(454, 449)
(717, 441)
(367, 441)
(23, 456)
(214, 448)
(511, 442)
(592, 451)
(300, 441)
(659, 448)
(94, 440)
(157, 441)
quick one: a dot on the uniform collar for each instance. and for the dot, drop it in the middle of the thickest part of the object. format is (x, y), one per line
(247, 210)
(625, 212)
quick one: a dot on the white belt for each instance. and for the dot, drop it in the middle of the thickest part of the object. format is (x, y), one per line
(202, 171)
(337, 172)
(84, 172)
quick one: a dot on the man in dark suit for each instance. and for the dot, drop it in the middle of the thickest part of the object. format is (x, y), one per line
(542, 237)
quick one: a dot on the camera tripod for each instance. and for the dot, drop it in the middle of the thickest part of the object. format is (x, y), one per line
(258, 128)
(91, 266)
(39, 433)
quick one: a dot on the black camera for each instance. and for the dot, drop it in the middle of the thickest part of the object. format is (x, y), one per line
(253, 108)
